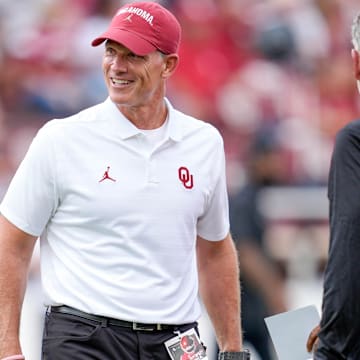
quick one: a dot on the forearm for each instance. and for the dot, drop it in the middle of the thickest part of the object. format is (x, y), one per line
(220, 292)
(15, 253)
(12, 288)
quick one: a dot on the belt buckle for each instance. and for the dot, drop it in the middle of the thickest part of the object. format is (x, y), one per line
(142, 327)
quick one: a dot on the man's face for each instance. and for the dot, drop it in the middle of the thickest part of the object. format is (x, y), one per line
(132, 80)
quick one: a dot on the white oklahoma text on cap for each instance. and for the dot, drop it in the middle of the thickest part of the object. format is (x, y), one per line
(137, 11)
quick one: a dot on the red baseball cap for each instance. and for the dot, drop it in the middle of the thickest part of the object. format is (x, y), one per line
(143, 27)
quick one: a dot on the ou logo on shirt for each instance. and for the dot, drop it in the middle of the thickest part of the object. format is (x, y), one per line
(185, 177)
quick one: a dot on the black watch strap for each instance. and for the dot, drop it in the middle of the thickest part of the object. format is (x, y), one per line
(229, 355)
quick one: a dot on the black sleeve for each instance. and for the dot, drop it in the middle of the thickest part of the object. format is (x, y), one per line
(341, 306)
(344, 177)
(246, 223)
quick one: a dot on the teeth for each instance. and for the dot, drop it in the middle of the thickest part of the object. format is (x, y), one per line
(120, 82)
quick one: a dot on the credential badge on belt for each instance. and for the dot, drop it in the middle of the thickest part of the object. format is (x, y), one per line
(186, 346)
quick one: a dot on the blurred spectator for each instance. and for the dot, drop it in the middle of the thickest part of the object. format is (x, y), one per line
(263, 286)
(209, 55)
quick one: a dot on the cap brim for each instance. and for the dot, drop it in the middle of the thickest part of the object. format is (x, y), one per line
(133, 42)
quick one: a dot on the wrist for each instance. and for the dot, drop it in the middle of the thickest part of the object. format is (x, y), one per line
(234, 355)
(14, 357)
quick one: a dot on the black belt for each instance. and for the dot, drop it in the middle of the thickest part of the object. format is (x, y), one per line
(116, 322)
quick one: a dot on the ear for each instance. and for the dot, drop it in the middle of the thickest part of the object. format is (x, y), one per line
(356, 63)
(170, 64)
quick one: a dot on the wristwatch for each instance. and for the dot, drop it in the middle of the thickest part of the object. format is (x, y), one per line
(230, 355)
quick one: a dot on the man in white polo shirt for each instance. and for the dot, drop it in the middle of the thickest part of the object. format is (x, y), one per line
(129, 200)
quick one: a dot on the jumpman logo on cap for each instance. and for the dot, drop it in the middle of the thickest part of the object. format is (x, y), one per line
(106, 175)
(129, 18)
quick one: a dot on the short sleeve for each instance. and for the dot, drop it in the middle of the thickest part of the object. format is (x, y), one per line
(31, 197)
(214, 223)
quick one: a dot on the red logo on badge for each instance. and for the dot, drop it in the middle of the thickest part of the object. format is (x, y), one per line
(185, 177)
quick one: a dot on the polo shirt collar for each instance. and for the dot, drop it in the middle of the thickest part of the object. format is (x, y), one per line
(175, 130)
(123, 125)
(128, 130)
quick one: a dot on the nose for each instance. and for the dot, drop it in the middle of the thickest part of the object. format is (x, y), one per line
(119, 63)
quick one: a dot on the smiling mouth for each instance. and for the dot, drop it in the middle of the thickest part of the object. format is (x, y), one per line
(120, 82)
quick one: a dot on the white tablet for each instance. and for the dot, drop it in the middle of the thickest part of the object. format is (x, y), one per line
(290, 330)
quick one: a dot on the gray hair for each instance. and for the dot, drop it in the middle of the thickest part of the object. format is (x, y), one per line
(355, 32)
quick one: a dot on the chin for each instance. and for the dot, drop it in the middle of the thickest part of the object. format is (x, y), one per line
(118, 99)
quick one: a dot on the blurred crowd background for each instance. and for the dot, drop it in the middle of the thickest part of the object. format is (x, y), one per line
(247, 66)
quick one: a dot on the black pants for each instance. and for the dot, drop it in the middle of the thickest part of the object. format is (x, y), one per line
(69, 337)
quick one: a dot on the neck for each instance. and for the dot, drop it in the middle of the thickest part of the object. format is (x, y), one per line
(148, 116)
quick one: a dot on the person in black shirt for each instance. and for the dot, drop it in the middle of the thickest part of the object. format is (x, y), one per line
(337, 336)
(263, 290)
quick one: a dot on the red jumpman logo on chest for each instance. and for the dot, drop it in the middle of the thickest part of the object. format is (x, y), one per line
(106, 175)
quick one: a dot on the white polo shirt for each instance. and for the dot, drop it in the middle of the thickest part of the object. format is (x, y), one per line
(117, 220)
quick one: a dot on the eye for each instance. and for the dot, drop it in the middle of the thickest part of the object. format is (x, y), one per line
(109, 50)
(131, 55)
